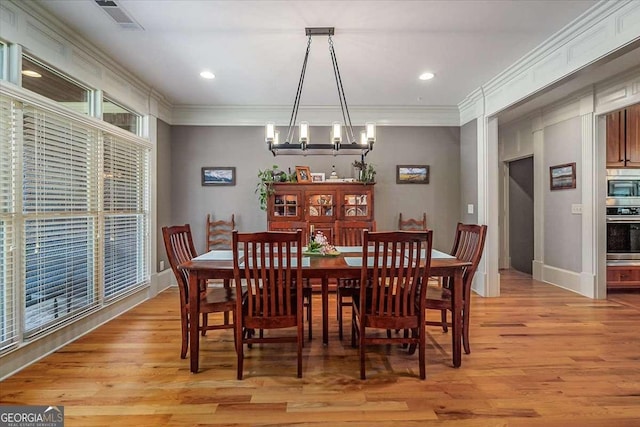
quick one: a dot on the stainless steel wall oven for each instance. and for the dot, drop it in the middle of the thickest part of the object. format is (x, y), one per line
(623, 234)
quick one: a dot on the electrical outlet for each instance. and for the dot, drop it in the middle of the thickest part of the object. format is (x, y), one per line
(576, 209)
(470, 208)
(161, 265)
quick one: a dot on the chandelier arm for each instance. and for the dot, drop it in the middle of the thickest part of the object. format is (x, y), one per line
(341, 95)
(296, 102)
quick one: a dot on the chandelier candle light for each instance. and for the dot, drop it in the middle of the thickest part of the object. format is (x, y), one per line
(335, 146)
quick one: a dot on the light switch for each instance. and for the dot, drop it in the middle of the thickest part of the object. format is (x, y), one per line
(576, 209)
(470, 208)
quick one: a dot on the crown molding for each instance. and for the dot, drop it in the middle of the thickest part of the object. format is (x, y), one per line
(601, 30)
(203, 115)
(472, 106)
(582, 24)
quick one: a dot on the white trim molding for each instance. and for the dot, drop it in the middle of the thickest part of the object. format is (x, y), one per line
(618, 93)
(600, 31)
(203, 115)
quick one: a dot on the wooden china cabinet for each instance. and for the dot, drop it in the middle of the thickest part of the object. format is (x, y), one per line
(319, 206)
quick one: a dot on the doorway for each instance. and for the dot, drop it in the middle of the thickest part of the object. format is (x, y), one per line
(521, 214)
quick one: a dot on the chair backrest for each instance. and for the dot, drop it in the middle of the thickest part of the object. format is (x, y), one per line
(179, 245)
(290, 226)
(270, 264)
(401, 261)
(349, 233)
(219, 233)
(412, 223)
(468, 246)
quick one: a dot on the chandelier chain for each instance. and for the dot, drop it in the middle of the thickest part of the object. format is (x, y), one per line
(341, 95)
(296, 102)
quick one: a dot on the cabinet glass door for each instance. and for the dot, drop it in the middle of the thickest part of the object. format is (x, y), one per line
(356, 206)
(321, 206)
(286, 205)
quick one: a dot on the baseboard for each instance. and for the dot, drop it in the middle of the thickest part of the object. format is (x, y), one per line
(537, 268)
(569, 280)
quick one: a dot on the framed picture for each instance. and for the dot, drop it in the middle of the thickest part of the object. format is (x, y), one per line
(317, 176)
(412, 174)
(562, 177)
(218, 175)
(303, 173)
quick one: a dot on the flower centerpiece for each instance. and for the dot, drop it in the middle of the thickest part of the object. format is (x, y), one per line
(319, 245)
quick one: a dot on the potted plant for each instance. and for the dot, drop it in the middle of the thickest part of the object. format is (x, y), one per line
(264, 189)
(366, 172)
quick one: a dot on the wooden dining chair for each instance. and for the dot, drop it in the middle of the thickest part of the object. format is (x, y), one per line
(349, 233)
(270, 263)
(394, 295)
(178, 242)
(410, 224)
(307, 291)
(219, 233)
(468, 246)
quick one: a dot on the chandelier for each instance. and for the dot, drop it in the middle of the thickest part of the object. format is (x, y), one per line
(335, 144)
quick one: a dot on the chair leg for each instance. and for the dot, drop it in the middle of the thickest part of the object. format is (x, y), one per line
(443, 317)
(235, 336)
(363, 375)
(309, 315)
(205, 323)
(300, 341)
(226, 283)
(184, 320)
(240, 349)
(421, 352)
(339, 313)
(354, 330)
(465, 333)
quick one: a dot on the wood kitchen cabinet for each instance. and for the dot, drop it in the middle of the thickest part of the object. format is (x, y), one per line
(321, 205)
(623, 138)
(621, 277)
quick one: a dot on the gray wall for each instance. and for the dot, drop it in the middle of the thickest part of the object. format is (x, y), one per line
(469, 171)
(562, 230)
(163, 193)
(193, 147)
(521, 214)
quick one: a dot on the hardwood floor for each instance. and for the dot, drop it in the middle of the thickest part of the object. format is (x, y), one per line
(541, 356)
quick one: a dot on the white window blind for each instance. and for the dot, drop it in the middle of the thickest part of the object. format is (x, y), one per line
(8, 314)
(74, 215)
(125, 222)
(60, 208)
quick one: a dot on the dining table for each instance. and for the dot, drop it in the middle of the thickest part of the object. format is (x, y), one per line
(218, 264)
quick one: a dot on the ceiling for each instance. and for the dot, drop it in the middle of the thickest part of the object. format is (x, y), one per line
(256, 48)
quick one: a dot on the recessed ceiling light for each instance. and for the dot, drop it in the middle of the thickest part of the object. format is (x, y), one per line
(426, 76)
(31, 73)
(207, 75)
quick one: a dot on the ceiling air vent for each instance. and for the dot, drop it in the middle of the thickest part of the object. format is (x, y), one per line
(118, 14)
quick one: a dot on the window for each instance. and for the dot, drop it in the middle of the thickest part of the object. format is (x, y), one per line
(74, 216)
(60, 207)
(120, 116)
(8, 320)
(125, 201)
(47, 82)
